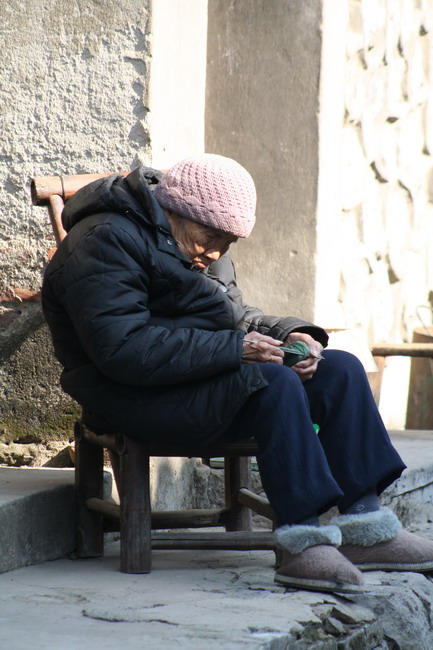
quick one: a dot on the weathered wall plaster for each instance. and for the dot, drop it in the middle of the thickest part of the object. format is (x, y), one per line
(74, 100)
(73, 91)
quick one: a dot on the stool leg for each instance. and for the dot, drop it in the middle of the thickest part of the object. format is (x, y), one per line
(135, 511)
(89, 482)
(237, 474)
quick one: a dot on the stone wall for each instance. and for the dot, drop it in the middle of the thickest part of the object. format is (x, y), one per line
(375, 210)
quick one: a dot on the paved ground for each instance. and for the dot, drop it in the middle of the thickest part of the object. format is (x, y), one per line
(199, 600)
(204, 600)
(191, 600)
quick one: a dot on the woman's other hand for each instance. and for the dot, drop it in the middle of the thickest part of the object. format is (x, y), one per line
(306, 369)
(259, 348)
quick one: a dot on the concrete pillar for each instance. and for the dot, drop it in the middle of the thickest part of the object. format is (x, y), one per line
(262, 104)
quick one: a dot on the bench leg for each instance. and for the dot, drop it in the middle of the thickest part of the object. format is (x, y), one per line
(237, 475)
(89, 482)
(135, 510)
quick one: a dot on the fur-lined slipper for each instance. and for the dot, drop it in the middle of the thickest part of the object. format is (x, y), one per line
(369, 528)
(319, 568)
(405, 552)
(375, 542)
(311, 561)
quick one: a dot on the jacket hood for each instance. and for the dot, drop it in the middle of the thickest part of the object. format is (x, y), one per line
(116, 193)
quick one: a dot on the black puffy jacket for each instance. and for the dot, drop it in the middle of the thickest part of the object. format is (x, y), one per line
(149, 345)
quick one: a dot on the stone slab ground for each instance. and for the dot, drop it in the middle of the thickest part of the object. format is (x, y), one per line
(194, 600)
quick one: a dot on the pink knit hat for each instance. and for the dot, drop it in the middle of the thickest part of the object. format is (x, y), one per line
(213, 190)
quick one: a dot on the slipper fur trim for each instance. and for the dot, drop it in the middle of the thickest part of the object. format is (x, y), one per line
(297, 538)
(369, 528)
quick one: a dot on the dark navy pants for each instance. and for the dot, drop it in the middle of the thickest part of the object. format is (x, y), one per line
(304, 473)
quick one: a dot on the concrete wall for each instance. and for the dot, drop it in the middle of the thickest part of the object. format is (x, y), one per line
(178, 80)
(73, 91)
(262, 107)
(329, 105)
(74, 100)
(85, 86)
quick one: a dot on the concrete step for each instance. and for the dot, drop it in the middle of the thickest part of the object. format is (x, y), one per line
(37, 504)
(36, 515)
(411, 497)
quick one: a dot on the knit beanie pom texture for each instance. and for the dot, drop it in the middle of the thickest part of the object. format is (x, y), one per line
(210, 189)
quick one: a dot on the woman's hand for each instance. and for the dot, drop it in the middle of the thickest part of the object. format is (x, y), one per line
(259, 348)
(306, 369)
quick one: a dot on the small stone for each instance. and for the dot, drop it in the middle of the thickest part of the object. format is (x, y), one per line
(353, 614)
(334, 626)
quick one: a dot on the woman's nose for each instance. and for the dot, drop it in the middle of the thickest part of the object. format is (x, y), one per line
(213, 255)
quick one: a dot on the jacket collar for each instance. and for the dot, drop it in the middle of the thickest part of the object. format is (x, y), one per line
(142, 184)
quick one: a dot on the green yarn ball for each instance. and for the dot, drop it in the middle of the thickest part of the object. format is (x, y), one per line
(295, 352)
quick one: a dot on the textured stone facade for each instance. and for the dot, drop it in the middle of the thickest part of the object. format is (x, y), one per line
(375, 250)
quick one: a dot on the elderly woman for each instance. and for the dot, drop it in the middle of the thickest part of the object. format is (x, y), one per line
(155, 340)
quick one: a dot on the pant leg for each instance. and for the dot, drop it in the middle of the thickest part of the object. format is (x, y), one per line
(356, 443)
(293, 467)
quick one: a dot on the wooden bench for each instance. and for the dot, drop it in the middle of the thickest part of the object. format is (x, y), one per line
(130, 460)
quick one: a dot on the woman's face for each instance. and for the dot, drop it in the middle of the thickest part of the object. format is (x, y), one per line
(201, 245)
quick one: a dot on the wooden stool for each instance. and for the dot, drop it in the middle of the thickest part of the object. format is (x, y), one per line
(130, 461)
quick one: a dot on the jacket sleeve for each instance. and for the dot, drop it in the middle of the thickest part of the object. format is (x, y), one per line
(254, 319)
(105, 287)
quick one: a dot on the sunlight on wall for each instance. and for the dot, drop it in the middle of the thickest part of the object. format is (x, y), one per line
(177, 80)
